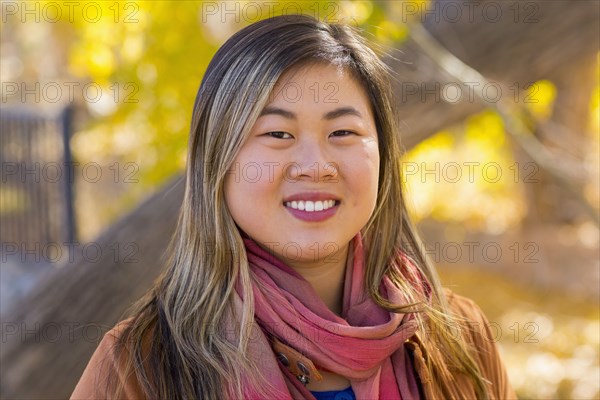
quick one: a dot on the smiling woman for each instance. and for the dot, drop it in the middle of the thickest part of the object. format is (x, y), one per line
(294, 272)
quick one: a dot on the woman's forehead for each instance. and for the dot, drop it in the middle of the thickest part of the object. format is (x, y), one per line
(313, 71)
(319, 83)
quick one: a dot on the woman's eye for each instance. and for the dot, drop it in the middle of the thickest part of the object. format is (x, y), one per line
(279, 135)
(342, 133)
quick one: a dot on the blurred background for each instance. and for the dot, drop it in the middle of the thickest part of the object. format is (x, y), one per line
(499, 107)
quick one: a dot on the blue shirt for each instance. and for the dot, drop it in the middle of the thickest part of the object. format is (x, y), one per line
(346, 394)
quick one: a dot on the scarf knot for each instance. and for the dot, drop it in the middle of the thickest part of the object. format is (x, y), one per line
(365, 344)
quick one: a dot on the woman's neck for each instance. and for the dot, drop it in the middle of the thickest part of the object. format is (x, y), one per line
(327, 278)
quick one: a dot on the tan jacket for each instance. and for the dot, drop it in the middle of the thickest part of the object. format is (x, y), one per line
(92, 383)
(481, 337)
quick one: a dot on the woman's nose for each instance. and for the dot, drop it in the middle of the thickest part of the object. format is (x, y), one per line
(311, 162)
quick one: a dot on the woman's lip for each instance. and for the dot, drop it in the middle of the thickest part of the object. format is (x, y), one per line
(314, 216)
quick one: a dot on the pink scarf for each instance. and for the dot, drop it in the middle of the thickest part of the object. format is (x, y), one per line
(365, 344)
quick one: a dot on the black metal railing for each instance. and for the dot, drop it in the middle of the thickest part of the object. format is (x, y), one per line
(36, 195)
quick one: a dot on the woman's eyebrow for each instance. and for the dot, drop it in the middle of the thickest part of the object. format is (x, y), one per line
(338, 112)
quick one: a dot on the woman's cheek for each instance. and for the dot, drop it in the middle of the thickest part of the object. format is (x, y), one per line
(369, 176)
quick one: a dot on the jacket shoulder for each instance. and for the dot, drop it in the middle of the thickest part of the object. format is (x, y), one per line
(104, 370)
(459, 303)
(482, 337)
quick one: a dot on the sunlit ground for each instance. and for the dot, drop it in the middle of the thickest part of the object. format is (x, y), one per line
(549, 342)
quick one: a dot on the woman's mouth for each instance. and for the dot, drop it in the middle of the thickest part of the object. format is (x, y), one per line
(311, 206)
(313, 211)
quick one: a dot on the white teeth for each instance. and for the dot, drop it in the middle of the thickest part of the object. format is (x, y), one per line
(310, 206)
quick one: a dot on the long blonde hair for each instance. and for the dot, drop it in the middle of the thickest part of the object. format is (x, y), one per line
(176, 339)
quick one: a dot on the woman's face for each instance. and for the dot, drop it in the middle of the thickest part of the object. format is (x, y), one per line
(305, 181)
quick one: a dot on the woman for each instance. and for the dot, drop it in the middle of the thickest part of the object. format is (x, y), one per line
(295, 272)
